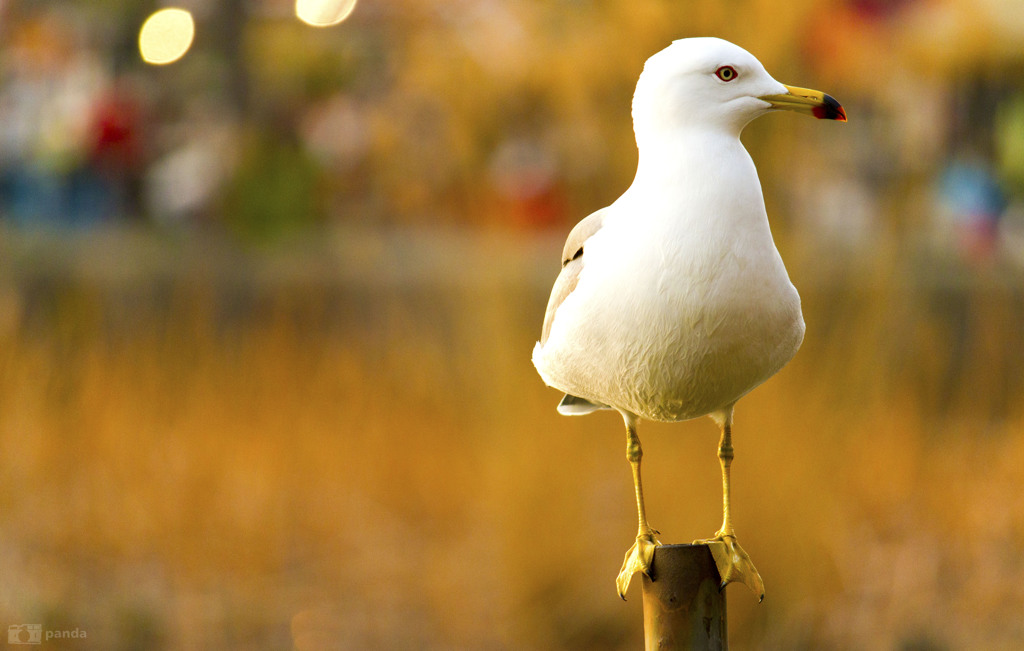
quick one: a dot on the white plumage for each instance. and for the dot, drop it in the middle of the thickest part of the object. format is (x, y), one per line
(673, 302)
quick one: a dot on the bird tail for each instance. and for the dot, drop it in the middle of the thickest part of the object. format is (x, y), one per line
(575, 406)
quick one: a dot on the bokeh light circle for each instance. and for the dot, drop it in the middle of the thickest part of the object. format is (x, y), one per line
(322, 13)
(166, 36)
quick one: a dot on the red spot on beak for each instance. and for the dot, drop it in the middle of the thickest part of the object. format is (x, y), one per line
(830, 110)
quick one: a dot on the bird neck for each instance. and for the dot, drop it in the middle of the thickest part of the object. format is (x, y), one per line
(707, 161)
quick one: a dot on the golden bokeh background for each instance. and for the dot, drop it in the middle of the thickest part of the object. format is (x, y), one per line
(266, 316)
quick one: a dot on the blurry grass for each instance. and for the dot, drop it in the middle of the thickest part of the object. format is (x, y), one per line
(378, 466)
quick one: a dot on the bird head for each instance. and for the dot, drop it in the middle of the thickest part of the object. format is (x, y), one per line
(708, 83)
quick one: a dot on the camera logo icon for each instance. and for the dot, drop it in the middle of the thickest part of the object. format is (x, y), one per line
(25, 634)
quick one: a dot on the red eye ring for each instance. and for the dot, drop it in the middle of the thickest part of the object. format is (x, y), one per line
(726, 73)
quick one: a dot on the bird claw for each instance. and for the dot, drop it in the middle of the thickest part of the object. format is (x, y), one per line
(734, 564)
(639, 558)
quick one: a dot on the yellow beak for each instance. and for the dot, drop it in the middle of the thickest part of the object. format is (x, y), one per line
(805, 100)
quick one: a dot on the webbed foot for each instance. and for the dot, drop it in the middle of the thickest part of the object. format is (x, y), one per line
(639, 558)
(734, 565)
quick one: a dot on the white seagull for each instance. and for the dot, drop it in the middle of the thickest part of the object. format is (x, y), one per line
(673, 302)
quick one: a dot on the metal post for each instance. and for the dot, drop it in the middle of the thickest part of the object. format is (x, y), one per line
(683, 606)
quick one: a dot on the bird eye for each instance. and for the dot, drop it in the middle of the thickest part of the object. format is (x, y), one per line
(726, 73)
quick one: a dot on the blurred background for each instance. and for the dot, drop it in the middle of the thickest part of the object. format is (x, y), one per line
(266, 314)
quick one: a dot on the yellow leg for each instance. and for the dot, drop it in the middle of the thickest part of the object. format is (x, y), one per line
(725, 457)
(734, 565)
(641, 554)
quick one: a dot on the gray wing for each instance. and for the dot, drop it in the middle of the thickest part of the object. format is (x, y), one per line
(572, 265)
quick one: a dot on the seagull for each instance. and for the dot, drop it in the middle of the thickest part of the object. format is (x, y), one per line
(673, 302)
